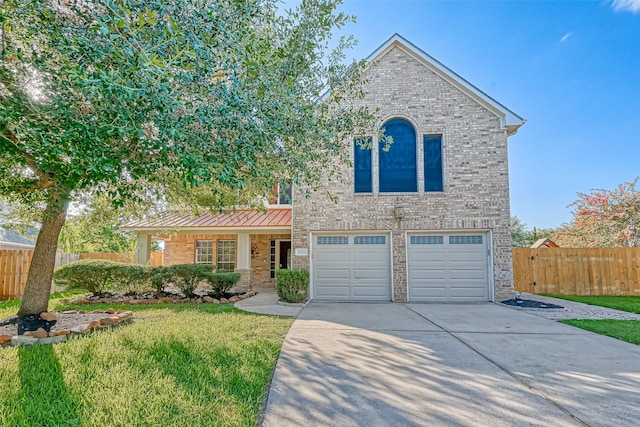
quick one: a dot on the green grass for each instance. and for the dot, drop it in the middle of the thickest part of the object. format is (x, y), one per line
(626, 330)
(179, 364)
(624, 303)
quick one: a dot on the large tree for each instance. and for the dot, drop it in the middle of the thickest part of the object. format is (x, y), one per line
(122, 96)
(603, 218)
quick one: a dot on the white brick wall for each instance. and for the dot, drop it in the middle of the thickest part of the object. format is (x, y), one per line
(476, 180)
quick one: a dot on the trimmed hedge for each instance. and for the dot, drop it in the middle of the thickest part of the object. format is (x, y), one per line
(292, 285)
(93, 275)
(187, 277)
(221, 283)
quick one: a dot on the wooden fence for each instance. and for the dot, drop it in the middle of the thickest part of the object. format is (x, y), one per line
(577, 271)
(109, 257)
(14, 267)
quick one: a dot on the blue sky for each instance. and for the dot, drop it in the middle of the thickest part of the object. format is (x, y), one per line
(571, 68)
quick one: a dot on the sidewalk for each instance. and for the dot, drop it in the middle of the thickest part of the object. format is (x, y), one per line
(267, 302)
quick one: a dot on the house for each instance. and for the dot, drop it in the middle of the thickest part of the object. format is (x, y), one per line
(544, 243)
(12, 241)
(427, 220)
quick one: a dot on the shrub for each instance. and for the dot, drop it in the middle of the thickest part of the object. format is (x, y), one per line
(133, 278)
(221, 282)
(160, 278)
(94, 275)
(292, 285)
(186, 277)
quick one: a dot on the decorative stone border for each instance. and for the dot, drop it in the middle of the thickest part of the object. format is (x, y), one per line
(40, 336)
(167, 300)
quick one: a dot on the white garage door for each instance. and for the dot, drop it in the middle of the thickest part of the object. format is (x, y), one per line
(448, 267)
(351, 267)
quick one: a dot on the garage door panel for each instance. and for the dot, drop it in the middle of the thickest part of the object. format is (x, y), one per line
(352, 267)
(333, 273)
(456, 270)
(431, 274)
(333, 292)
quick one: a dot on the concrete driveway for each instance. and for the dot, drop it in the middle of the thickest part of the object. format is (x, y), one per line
(449, 365)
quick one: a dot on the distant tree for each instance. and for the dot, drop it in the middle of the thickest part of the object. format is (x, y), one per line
(117, 96)
(520, 236)
(604, 218)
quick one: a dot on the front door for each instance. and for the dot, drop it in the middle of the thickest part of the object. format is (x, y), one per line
(284, 252)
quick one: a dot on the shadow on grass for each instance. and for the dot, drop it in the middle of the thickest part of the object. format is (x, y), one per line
(44, 399)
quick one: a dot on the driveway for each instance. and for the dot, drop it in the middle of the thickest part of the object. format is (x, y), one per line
(346, 364)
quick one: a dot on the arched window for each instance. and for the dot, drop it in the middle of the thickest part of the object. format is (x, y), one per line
(398, 171)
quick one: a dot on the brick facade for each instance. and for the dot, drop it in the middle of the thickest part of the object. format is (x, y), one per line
(476, 179)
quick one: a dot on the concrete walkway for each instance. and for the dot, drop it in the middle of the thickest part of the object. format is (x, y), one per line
(267, 302)
(449, 365)
(576, 310)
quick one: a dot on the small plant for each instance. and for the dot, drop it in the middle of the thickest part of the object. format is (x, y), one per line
(221, 283)
(292, 285)
(187, 277)
(93, 275)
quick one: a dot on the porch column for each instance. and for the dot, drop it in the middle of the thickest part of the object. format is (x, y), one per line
(244, 261)
(143, 249)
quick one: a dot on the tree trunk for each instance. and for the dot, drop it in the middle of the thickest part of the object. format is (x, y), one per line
(38, 289)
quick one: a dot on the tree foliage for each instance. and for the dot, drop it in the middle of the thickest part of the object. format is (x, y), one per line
(121, 96)
(604, 218)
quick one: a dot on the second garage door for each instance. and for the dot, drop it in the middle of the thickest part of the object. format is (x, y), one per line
(448, 267)
(351, 267)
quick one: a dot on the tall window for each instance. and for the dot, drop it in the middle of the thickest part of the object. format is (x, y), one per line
(397, 166)
(281, 195)
(204, 251)
(362, 166)
(433, 163)
(226, 255)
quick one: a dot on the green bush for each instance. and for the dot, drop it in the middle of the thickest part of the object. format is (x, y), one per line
(221, 282)
(93, 275)
(133, 278)
(160, 278)
(292, 285)
(187, 277)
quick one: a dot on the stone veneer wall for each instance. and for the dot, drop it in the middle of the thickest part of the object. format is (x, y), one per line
(476, 180)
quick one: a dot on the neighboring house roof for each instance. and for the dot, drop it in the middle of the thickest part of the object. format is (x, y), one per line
(509, 120)
(9, 238)
(544, 243)
(245, 218)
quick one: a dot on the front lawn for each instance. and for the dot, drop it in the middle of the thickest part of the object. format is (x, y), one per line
(624, 303)
(189, 365)
(626, 330)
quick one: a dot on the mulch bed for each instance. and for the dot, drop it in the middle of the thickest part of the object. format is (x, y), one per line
(528, 303)
(66, 320)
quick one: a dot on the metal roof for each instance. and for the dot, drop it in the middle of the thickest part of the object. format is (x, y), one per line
(245, 218)
(7, 236)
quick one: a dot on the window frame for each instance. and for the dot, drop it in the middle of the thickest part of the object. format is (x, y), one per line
(362, 177)
(197, 251)
(220, 248)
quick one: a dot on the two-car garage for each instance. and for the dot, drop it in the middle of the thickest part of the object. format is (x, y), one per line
(440, 267)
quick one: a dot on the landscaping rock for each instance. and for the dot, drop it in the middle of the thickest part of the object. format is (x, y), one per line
(60, 332)
(97, 312)
(107, 321)
(110, 311)
(81, 329)
(38, 333)
(95, 324)
(71, 312)
(4, 339)
(120, 311)
(234, 299)
(49, 317)
(52, 340)
(23, 340)
(251, 293)
(224, 301)
(166, 300)
(208, 299)
(83, 312)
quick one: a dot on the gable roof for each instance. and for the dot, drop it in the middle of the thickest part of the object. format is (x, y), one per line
(241, 219)
(545, 243)
(14, 239)
(508, 119)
